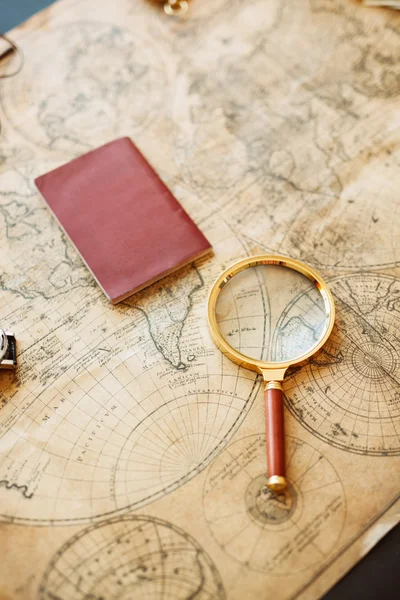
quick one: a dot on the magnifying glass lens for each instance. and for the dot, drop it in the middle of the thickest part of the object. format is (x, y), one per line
(271, 313)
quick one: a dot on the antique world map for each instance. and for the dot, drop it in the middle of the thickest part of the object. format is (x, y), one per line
(132, 452)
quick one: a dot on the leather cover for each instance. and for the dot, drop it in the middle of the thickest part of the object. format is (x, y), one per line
(127, 226)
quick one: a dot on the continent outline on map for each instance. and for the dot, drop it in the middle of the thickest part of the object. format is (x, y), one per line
(323, 146)
(53, 110)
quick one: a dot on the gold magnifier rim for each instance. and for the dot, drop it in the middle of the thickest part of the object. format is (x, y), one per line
(261, 366)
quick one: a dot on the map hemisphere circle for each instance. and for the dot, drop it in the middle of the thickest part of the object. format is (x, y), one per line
(264, 540)
(142, 553)
(349, 396)
(127, 487)
(176, 463)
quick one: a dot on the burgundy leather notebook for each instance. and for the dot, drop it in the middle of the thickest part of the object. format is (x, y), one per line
(127, 226)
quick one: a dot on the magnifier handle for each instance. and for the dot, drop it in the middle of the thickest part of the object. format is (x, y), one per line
(275, 436)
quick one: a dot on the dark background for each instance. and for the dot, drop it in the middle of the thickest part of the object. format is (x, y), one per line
(13, 12)
(377, 576)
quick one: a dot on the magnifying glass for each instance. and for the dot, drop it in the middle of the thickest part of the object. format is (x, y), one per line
(268, 313)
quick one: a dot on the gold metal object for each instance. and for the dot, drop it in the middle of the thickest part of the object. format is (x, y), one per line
(176, 8)
(271, 371)
(273, 385)
(276, 483)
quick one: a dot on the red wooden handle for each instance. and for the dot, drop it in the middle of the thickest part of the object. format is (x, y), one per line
(275, 436)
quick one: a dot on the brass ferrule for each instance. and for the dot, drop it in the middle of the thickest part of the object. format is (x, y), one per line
(273, 385)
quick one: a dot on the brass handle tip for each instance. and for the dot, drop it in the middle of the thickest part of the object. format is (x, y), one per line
(277, 483)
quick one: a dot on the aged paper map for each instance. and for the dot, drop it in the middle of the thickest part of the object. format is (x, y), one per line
(132, 454)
